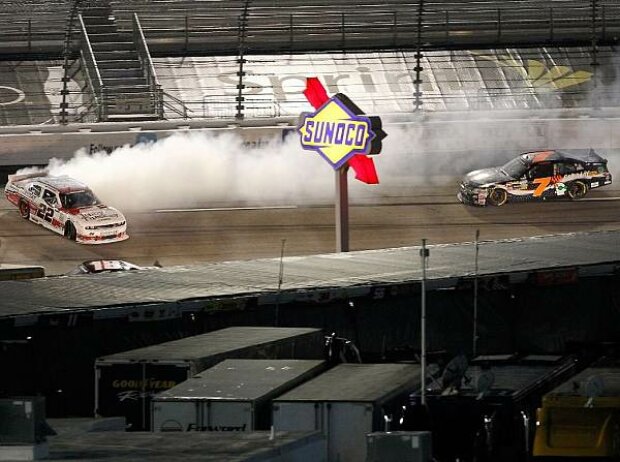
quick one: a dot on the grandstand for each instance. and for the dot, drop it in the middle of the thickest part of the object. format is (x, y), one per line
(142, 60)
(212, 27)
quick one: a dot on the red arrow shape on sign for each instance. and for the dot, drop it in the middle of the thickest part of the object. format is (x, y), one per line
(364, 166)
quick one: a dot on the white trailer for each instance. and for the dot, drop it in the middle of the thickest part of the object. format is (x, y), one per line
(234, 395)
(346, 403)
(125, 382)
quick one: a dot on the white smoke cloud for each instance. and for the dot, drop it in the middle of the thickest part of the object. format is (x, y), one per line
(201, 169)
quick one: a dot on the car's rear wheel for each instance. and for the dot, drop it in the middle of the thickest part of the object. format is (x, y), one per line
(70, 231)
(24, 210)
(497, 197)
(576, 190)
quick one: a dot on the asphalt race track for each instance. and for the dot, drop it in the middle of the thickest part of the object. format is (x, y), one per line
(193, 236)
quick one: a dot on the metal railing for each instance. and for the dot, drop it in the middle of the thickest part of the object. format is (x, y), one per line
(348, 29)
(147, 65)
(281, 30)
(219, 107)
(92, 72)
(177, 105)
(213, 26)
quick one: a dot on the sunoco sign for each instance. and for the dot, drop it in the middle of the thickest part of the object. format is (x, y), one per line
(336, 132)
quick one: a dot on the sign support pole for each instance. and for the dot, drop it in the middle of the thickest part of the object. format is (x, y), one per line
(475, 337)
(424, 253)
(342, 209)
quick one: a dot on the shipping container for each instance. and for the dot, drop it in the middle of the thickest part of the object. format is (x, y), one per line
(581, 417)
(125, 382)
(346, 403)
(399, 447)
(233, 395)
(486, 409)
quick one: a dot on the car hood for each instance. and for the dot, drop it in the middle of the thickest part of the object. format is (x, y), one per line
(97, 214)
(485, 176)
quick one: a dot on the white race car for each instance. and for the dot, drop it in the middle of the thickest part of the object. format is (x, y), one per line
(67, 207)
(108, 266)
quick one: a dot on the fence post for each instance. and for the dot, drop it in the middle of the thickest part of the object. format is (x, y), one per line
(186, 33)
(418, 59)
(499, 25)
(604, 23)
(551, 32)
(243, 18)
(66, 52)
(290, 28)
(395, 29)
(343, 33)
(594, 33)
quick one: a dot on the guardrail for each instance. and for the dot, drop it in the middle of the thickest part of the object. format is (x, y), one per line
(224, 108)
(147, 65)
(177, 106)
(213, 26)
(92, 72)
(384, 27)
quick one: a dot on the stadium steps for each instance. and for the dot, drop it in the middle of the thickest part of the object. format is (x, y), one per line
(135, 85)
(114, 55)
(102, 29)
(128, 95)
(107, 36)
(118, 64)
(112, 46)
(122, 73)
(131, 105)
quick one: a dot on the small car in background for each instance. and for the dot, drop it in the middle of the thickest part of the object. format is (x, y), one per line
(539, 175)
(67, 207)
(107, 266)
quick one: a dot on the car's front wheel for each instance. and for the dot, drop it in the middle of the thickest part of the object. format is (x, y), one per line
(497, 197)
(24, 210)
(576, 190)
(70, 231)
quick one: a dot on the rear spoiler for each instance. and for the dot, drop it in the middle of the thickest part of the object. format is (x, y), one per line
(15, 177)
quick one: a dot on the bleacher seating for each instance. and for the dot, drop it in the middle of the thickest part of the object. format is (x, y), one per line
(290, 25)
(212, 27)
(33, 30)
(33, 27)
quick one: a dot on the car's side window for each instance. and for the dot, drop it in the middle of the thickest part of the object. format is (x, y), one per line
(540, 170)
(35, 190)
(599, 168)
(49, 197)
(566, 168)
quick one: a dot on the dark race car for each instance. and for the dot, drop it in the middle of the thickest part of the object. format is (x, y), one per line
(536, 176)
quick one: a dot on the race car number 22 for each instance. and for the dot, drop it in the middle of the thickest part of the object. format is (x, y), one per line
(45, 212)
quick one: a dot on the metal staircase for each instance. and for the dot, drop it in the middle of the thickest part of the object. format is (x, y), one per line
(118, 67)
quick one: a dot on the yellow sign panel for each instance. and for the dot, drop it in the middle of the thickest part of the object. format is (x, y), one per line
(336, 133)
